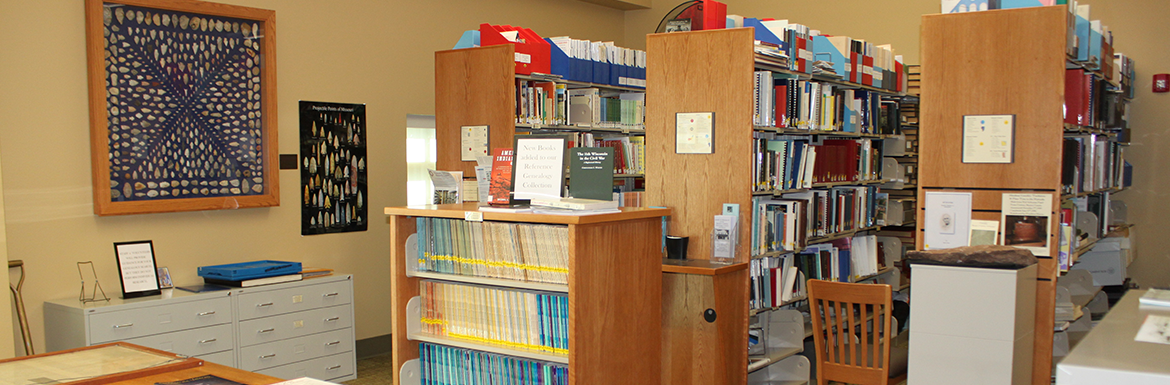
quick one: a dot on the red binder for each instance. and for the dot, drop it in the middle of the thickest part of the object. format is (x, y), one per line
(532, 52)
(867, 76)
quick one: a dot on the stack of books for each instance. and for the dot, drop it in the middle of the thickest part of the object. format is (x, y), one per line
(574, 206)
(256, 273)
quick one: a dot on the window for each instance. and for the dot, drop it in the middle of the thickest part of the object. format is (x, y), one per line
(420, 156)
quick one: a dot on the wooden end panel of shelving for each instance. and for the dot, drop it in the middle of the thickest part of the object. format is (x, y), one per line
(704, 71)
(695, 351)
(615, 293)
(473, 87)
(403, 289)
(993, 63)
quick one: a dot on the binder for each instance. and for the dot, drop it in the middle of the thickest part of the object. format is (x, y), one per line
(834, 49)
(532, 52)
(559, 61)
(763, 33)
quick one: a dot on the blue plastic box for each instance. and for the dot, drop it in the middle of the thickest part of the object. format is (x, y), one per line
(249, 270)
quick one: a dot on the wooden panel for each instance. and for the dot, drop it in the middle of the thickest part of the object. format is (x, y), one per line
(695, 351)
(615, 292)
(971, 66)
(473, 87)
(700, 266)
(402, 290)
(705, 71)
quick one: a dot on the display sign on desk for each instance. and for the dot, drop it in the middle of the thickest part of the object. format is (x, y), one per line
(136, 268)
(989, 138)
(538, 169)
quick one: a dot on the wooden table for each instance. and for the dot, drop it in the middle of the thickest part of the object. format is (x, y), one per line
(226, 372)
(117, 363)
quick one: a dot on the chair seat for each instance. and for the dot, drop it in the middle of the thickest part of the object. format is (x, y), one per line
(899, 355)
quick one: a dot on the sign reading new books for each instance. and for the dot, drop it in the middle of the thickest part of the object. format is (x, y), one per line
(538, 169)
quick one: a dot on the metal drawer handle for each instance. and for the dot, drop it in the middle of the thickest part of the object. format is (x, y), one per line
(332, 319)
(266, 304)
(333, 343)
(333, 294)
(208, 341)
(334, 367)
(269, 330)
(123, 325)
(267, 356)
(206, 313)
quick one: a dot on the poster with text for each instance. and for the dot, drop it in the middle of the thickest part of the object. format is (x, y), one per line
(333, 168)
(1026, 219)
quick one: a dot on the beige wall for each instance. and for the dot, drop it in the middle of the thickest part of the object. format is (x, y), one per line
(375, 52)
(1140, 30)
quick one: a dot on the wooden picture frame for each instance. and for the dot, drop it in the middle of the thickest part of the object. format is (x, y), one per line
(137, 270)
(182, 101)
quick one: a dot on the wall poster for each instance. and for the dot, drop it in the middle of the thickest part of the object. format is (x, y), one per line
(333, 168)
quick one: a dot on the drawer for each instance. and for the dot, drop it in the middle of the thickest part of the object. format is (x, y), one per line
(127, 324)
(324, 368)
(225, 358)
(257, 304)
(192, 342)
(267, 355)
(275, 328)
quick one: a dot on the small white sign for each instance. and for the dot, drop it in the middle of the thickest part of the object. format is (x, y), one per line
(694, 133)
(988, 138)
(473, 142)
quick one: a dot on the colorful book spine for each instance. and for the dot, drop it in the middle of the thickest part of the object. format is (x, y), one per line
(445, 365)
(516, 319)
(517, 251)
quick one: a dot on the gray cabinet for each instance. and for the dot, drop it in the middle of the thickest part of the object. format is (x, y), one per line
(285, 330)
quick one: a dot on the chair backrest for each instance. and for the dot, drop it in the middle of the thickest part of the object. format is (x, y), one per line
(848, 348)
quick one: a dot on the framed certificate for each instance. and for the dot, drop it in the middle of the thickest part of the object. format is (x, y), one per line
(136, 268)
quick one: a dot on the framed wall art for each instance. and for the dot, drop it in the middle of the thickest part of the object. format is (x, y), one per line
(182, 106)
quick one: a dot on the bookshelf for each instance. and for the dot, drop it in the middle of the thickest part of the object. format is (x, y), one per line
(715, 71)
(614, 336)
(1030, 83)
(478, 87)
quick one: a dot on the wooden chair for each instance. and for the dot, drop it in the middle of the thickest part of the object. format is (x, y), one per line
(849, 348)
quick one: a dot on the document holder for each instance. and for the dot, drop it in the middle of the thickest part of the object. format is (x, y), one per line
(532, 52)
(559, 63)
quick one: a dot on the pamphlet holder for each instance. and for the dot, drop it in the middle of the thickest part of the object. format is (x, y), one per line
(559, 62)
(532, 52)
(601, 71)
(763, 33)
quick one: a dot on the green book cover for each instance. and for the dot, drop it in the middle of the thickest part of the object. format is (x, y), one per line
(591, 173)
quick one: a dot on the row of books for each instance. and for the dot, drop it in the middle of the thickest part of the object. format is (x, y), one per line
(629, 150)
(1093, 162)
(794, 162)
(799, 48)
(786, 223)
(775, 281)
(445, 365)
(549, 103)
(1087, 102)
(818, 106)
(518, 319)
(517, 251)
(599, 62)
(588, 107)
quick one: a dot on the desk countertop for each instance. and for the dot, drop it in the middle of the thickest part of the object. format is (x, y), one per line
(1109, 354)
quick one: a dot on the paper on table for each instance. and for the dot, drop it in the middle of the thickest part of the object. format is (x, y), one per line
(1155, 329)
(948, 220)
